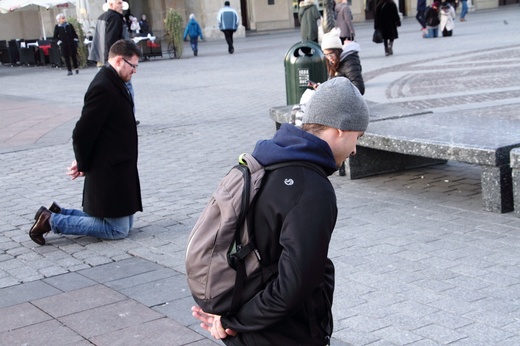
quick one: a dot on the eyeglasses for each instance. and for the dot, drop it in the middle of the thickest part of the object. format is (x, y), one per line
(131, 65)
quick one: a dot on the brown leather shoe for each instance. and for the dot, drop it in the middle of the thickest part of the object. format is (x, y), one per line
(55, 208)
(41, 226)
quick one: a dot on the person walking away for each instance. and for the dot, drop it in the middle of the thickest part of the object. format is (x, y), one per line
(464, 10)
(421, 8)
(344, 21)
(386, 20)
(296, 210)
(67, 40)
(308, 16)
(447, 21)
(194, 31)
(105, 146)
(227, 19)
(431, 17)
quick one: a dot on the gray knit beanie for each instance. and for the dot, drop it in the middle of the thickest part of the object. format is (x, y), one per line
(337, 103)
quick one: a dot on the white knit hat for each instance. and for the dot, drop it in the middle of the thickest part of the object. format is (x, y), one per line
(331, 39)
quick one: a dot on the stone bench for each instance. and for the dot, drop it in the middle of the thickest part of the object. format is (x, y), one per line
(399, 138)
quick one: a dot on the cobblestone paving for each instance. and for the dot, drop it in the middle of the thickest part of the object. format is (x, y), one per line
(418, 262)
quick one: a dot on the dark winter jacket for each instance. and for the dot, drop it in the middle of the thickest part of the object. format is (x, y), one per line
(431, 16)
(350, 66)
(193, 29)
(69, 39)
(387, 19)
(105, 147)
(294, 216)
(109, 29)
(308, 16)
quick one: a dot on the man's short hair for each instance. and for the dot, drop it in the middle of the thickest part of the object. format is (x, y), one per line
(226, 3)
(124, 48)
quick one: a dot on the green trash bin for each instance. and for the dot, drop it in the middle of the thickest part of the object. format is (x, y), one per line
(303, 62)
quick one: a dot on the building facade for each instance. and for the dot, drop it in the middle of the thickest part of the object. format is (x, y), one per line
(255, 15)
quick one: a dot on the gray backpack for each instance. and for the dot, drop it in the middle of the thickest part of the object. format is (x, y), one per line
(223, 265)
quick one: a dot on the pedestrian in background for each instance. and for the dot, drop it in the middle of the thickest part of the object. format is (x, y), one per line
(344, 21)
(421, 8)
(67, 39)
(464, 10)
(431, 16)
(227, 19)
(110, 27)
(105, 147)
(194, 31)
(447, 21)
(296, 209)
(386, 20)
(308, 16)
(145, 27)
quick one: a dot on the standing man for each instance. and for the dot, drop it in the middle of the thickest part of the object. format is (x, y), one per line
(67, 39)
(105, 146)
(227, 19)
(110, 28)
(296, 210)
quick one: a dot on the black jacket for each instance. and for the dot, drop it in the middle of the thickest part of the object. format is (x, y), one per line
(386, 19)
(431, 16)
(105, 147)
(350, 67)
(294, 216)
(67, 35)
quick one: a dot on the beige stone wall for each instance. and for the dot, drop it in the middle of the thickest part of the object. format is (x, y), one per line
(270, 17)
(27, 24)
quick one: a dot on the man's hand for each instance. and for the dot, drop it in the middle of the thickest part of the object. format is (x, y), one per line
(212, 323)
(72, 170)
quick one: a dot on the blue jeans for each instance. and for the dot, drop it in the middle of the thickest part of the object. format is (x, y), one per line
(432, 32)
(194, 42)
(464, 10)
(76, 222)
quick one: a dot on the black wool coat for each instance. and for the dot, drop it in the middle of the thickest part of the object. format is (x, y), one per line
(105, 146)
(66, 34)
(387, 19)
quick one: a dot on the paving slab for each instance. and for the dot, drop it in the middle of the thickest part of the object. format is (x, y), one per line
(412, 249)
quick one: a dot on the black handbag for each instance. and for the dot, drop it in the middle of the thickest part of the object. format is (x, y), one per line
(377, 37)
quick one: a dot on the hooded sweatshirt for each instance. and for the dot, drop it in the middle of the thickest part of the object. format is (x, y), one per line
(294, 215)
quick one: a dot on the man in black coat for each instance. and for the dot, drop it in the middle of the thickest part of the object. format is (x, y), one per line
(105, 147)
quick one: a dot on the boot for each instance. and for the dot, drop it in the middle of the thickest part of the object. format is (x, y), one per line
(390, 50)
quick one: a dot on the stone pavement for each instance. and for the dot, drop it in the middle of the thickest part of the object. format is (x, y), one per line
(417, 260)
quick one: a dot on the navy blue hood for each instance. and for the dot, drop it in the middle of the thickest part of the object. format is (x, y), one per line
(293, 144)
